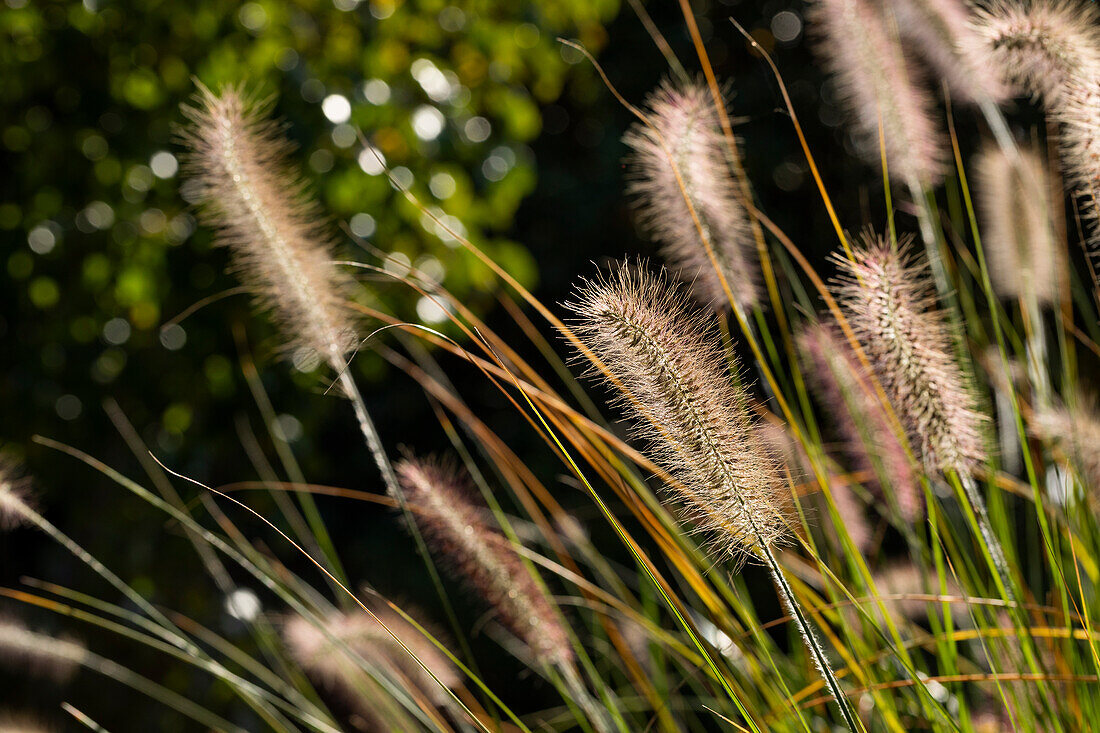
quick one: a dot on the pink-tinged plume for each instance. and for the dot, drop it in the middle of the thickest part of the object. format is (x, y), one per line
(238, 173)
(1018, 232)
(889, 301)
(455, 526)
(876, 83)
(686, 406)
(1051, 50)
(686, 197)
(943, 33)
(870, 440)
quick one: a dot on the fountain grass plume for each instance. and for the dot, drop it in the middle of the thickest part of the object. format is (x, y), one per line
(323, 654)
(876, 82)
(943, 32)
(237, 171)
(672, 374)
(687, 406)
(890, 303)
(455, 526)
(1079, 115)
(35, 651)
(15, 496)
(1050, 49)
(840, 382)
(1040, 46)
(1077, 432)
(679, 167)
(1019, 240)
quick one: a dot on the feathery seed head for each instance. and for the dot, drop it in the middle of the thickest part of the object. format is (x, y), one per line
(686, 406)
(943, 32)
(20, 724)
(1040, 46)
(23, 648)
(840, 382)
(1079, 114)
(1077, 432)
(875, 81)
(889, 302)
(682, 158)
(328, 660)
(14, 497)
(1015, 203)
(238, 173)
(456, 527)
(1051, 50)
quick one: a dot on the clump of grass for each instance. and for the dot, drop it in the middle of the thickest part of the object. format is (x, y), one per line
(905, 625)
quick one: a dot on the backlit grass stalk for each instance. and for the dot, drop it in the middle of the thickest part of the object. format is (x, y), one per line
(697, 423)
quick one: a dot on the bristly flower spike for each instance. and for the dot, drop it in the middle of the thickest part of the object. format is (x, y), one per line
(326, 653)
(943, 33)
(890, 303)
(689, 410)
(1077, 432)
(1016, 207)
(239, 175)
(678, 386)
(1039, 47)
(678, 159)
(26, 649)
(1051, 50)
(876, 83)
(15, 499)
(455, 527)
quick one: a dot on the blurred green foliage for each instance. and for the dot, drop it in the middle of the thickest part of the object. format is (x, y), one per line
(101, 250)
